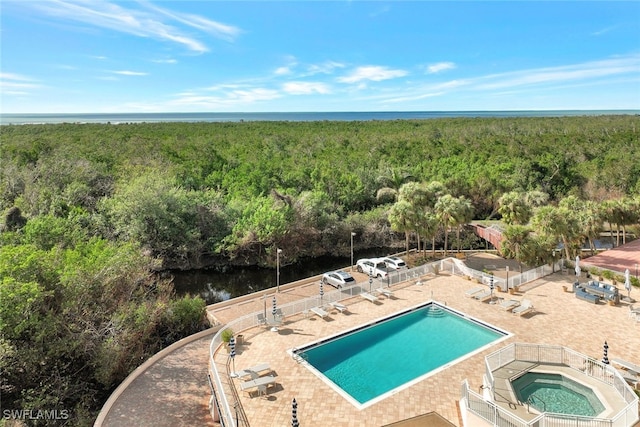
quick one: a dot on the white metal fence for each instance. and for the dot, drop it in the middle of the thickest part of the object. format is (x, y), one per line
(397, 279)
(534, 353)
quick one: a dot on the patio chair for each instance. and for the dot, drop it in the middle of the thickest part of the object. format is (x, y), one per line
(386, 292)
(525, 307)
(261, 319)
(318, 311)
(633, 312)
(369, 297)
(341, 308)
(472, 292)
(254, 371)
(509, 304)
(483, 296)
(261, 384)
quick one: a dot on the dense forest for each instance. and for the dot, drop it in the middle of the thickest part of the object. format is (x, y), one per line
(91, 211)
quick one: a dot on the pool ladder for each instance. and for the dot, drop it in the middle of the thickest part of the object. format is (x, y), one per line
(531, 401)
(434, 312)
(301, 357)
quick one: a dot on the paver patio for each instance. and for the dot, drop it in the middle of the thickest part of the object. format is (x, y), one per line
(559, 319)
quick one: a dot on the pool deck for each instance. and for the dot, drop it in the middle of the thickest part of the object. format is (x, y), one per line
(559, 319)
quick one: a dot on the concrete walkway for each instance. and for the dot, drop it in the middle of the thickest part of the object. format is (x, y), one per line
(168, 390)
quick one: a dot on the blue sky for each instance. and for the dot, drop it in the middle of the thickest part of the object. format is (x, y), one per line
(94, 56)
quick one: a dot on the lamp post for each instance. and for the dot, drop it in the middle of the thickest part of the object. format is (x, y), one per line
(278, 251)
(352, 235)
(636, 270)
(553, 261)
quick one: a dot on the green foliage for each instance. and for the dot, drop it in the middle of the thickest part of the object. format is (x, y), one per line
(226, 335)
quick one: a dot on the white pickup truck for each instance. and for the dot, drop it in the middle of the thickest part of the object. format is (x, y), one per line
(373, 266)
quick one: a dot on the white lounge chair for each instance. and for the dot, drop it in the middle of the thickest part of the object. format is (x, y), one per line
(253, 371)
(483, 296)
(341, 308)
(525, 307)
(319, 312)
(261, 384)
(509, 304)
(385, 291)
(368, 296)
(472, 292)
(630, 371)
(261, 319)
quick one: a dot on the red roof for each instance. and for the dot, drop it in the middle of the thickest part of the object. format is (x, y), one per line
(618, 259)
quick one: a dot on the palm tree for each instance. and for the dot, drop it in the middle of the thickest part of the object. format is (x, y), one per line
(464, 215)
(559, 223)
(515, 238)
(401, 219)
(590, 219)
(514, 208)
(446, 209)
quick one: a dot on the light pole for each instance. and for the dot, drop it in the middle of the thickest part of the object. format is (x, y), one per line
(352, 235)
(278, 251)
(636, 270)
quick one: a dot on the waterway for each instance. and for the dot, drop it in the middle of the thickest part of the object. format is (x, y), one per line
(215, 286)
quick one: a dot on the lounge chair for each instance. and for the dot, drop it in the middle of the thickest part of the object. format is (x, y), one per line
(368, 296)
(472, 292)
(483, 296)
(341, 308)
(509, 304)
(630, 371)
(279, 314)
(385, 291)
(253, 371)
(261, 384)
(524, 308)
(633, 312)
(261, 319)
(318, 311)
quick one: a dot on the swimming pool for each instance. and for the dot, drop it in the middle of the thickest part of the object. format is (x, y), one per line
(373, 361)
(548, 392)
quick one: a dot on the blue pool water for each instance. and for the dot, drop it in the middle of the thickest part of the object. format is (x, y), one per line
(379, 358)
(556, 393)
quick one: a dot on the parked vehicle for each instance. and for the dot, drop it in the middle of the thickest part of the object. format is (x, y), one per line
(338, 279)
(394, 262)
(373, 266)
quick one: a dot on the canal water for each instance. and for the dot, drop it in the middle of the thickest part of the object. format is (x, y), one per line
(215, 286)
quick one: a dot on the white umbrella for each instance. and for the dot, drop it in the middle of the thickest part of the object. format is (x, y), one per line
(232, 353)
(627, 282)
(294, 413)
(578, 271)
(321, 291)
(605, 358)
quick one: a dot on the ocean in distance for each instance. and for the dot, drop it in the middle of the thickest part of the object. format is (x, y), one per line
(117, 118)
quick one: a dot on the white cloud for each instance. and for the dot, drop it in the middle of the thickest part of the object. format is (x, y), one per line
(165, 61)
(143, 23)
(562, 74)
(282, 71)
(129, 73)
(17, 84)
(373, 73)
(227, 99)
(326, 67)
(305, 88)
(440, 66)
